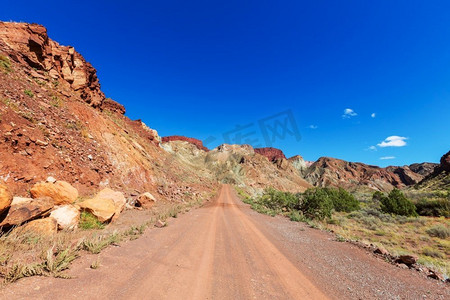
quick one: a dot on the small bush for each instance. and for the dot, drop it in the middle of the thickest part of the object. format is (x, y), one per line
(428, 251)
(434, 208)
(343, 200)
(439, 231)
(316, 204)
(396, 203)
(29, 93)
(89, 221)
(278, 200)
(5, 63)
(295, 216)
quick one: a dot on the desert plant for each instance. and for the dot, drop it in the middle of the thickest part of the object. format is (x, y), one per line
(60, 261)
(343, 200)
(316, 204)
(439, 231)
(396, 203)
(428, 251)
(89, 221)
(434, 208)
(29, 93)
(5, 63)
(96, 244)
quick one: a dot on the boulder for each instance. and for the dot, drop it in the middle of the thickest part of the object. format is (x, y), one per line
(27, 210)
(382, 251)
(105, 205)
(145, 200)
(407, 259)
(67, 217)
(5, 198)
(46, 227)
(60, 191)
(117, 197)
(102, 209)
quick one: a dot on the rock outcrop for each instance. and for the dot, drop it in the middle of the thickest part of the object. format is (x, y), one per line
(55, 118)
(423, 169)
(439, 179)
(272, 154)
(196, 142)
(445, 162)
(336, 172)
(33, 47)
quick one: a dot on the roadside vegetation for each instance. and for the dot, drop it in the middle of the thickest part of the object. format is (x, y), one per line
(24, 254)
(392, 221)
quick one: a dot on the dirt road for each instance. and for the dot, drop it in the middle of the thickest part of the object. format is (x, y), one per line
(224, 250)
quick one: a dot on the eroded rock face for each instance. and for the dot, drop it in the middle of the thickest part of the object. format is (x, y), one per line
(335, 172)
(5, 198)
(61, 192)
(423, 169)
(33, 46)
(196, 142)
(272, 154)
(445, 162)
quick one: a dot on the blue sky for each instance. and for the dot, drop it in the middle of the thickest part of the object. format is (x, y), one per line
(201, 68)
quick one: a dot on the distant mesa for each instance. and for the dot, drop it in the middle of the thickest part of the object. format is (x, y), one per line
(195, 142)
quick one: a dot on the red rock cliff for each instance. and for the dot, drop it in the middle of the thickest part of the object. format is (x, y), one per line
(272, 154)
(196, 142)
(32, 46)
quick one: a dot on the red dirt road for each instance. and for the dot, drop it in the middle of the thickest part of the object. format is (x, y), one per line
(224, 250)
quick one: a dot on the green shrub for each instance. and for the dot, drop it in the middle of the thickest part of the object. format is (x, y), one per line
(439, 231)
(396, 203)
(5, 63)
(295, 216)
(434, 208)
(428, 251)
(316, 204)
(343, 200)
(278, 200)
(89, 221)
(29, 93)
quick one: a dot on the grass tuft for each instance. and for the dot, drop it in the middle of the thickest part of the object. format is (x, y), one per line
(89, 221)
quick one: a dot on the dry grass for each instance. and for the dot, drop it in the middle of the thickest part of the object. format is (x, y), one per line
(423, 236)
(23, 254)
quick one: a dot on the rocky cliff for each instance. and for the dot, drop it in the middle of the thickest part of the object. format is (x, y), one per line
(272, 154)
(439, 179)
(55, 121)
(335, 172)
(195, 142)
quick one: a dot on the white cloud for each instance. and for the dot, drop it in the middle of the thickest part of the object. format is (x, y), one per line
(313, 127)
(373, 148)
(387, 157)
(393, 141)
(348, 113)
(373, 115)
